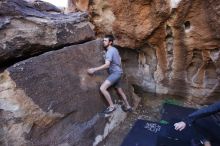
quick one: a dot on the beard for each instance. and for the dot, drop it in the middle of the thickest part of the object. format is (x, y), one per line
(105, 46)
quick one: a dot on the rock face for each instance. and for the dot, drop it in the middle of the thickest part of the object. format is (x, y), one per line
(132, 22)
(48, 98)
(51, 100)
(176, 44)
(26, 31)
(77, 5)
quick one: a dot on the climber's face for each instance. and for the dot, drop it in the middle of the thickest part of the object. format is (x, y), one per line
(106, 42)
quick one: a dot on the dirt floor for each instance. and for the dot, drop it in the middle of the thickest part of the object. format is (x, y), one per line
(148, 109)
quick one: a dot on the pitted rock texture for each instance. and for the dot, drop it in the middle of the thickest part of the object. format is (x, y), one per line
(51, 100)
(131, 22)
(26, 31)
(176, 43)
(48, 98)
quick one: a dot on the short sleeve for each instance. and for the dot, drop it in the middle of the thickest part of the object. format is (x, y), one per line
(109, 55)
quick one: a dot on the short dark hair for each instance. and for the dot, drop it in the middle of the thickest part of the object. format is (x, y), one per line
(110, 37)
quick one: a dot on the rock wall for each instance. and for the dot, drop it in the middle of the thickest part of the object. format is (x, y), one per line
(26, 31)
(51, 100)
(77, 5)
(176, 43)
(46, 95)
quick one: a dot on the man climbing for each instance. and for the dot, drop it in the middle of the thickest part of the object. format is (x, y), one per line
(113, 64)
(206, 123)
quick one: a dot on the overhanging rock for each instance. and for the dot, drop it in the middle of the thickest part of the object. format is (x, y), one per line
(25, 31)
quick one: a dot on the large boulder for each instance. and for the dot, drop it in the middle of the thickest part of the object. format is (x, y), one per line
(26, 31)
(182, 56)
(175, 44)
(51, 100)
(131, 22)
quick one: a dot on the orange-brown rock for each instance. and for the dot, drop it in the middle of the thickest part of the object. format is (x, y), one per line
(132, 22)
(177, 43)
(77, 5)
(195, 49)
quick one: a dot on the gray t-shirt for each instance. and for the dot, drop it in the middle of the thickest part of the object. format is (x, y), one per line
(113, 56)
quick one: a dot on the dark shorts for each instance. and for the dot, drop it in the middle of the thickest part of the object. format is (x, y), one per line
(115, 79)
